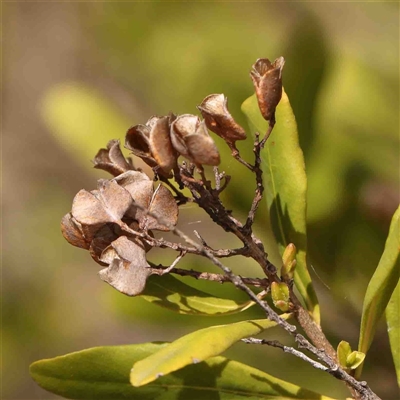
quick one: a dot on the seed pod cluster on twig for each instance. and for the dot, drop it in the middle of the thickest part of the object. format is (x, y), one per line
(115, 222)
(162, 139)
(104, 221)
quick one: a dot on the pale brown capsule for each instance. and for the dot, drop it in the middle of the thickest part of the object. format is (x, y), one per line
(191, 139)
(267, 80)
(160, 145)
(214, 109)
(151, 142)
(137, 141)
(112, 160)
(202, 147)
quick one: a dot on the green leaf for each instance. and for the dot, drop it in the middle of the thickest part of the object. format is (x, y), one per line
(194, 348)
(343, 351)
(381, 286)
(393, 323)
(169, 292)
(286, 185)
(103, 373)
(82, 120)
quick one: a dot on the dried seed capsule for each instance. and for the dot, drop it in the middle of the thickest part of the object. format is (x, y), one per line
(191, 139)
(160, 145)
(112, 160)
(202, 147)
(137, 141)
(152, 143)
(267, 80)
(214, 109)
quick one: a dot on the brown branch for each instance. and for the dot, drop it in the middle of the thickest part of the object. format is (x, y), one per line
(259, 185)
(361, 388)
(236, 155)
(208, 276)
(209, 200)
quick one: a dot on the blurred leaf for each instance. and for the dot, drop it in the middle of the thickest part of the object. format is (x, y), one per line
(381, 286)
(286, 184)
(393, 323)
(307, 57)
(171, 293)
(194, 348)
(103, 373)
(353, 131)
(82, 120)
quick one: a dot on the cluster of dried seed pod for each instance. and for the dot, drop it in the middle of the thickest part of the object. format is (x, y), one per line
(161, 140)
(115, 221)
(104, 221)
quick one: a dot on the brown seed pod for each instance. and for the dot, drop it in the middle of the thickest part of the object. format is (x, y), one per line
(214, 109)
(160, 145)
(137, 140)
(191, 139)
(267, 80)
(151, 142)
(112, 160)
(128, 269)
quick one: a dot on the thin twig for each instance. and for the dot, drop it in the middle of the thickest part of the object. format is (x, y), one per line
(236, 155)
(259, 185)
(286, 349)
(365, 393)
(173, 265)
(162, 243)
(208, 276)
(268, 133)
(179, 196)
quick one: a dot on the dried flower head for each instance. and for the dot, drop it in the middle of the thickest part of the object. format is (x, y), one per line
(267, 80)
(214, 109)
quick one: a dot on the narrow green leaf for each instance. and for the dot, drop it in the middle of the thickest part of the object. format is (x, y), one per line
(393, 323)
(286, 185)
(380, 287)
(194, 348)
(169, 292)
(103, 373)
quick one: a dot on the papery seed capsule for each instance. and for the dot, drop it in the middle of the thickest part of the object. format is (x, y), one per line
(191, 139)
(137, 141)
(214, 109)
(181, 127)
(202, 147)
(267, 80)
(160, 145)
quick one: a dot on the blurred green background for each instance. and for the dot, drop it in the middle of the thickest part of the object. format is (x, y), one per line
(78, 74)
